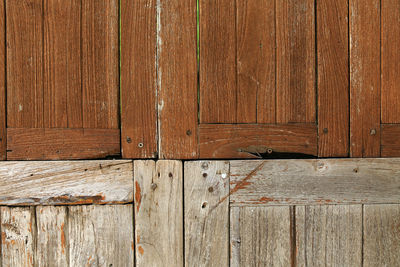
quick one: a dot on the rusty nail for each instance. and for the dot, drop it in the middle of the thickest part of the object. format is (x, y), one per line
(204, 175)
(372, 132)
(153, 186)
(128, 140)
(325, 130)
(210, 189)
(140, 145)
(189, 132)
(204, 205)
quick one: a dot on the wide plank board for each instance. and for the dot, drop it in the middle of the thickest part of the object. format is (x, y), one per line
(3, 133)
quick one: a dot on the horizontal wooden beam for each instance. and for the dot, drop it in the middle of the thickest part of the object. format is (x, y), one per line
(330, 181)
(66, 182)
(56, 143)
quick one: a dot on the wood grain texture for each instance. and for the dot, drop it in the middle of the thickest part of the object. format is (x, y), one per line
(263, 237)
(333, 78)
(206, 187)
(101, 235)
(66, 182)
(24, 63)
(255, 26)
(177, 79)
(217, 61)
(18, 236)
(138, 79)
(328, 235)
(390, 64)
(236, 140)
(300, 182)
(381, 235)
(295, 61)
(364, 78)
(55, 143)
(159, 213)
(390, 141)
(3, 132)
(100, 63)
(52, 247)
(62, 91)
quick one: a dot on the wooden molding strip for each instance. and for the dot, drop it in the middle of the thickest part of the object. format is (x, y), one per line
(52, 144)
(66, 182)
(298, 182)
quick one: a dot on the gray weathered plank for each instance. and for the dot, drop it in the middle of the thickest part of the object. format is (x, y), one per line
(101, 235)
(381, 235)
(330, 181)
(206, 187)
(52, 247)
(328, 235)
(158, 213)
(17, 236)
(263, 238)
(66, 182)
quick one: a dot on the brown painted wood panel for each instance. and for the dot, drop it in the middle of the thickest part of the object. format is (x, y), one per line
(138, 79)
(54, 143)
(217, 61)
(295, 61)
(255, 61)
(237, 140)
(25, 63)
(62, 96)
(3, 133)
(390, 140)
(333, 78)
(100, 64)
(364, 25)
(177, 79)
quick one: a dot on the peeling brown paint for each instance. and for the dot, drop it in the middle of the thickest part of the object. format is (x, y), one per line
(62, 239)
(141, 250)
(132, 245)
(138, 196)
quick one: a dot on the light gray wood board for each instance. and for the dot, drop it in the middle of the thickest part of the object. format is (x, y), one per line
(320, 181)
(66, 182)
(206, 187)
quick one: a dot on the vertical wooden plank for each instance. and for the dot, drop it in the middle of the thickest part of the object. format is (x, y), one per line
(333, 78)
(177, 79)
(3, 132)
(158, 213)
(328, 235)
(255, 61)
(390, 65)
(381, 235)
(101, 235)
(62, 64)
(100, 63)
(17, 236)
(52, 236)
(206, 192)
(295, 60)
(364, 78)
(24, 63)
(264, 236)
(217, 61)
(138, 79)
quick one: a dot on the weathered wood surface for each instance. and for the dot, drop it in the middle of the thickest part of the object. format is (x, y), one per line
(206, 214)
(261, 237)
(328, 235)
(159, 213)
(390, 140)
(381, 235)
(3, 120)
(333, 181)
(101, 235)
(66, 182)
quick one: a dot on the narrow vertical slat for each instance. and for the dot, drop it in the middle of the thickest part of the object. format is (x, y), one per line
(390, 65)
(255, 61)
(52, 236)
(264, 236)
(295, 61)
(24, 63)
(101, 235)
(158, 213)
(364, 78)
(3, 132)
(328, 235)
(17, 236)
(333, 78)
(177, 79)
(138, 79)
(381, 235)
(62, 64)
(217, 61)
(100, 63)
(206, 190)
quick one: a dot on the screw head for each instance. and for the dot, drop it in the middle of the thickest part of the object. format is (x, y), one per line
(204, 165)
(372, 132)
(188, 132)
(153, 186)
(128, 140)
(140, 145)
